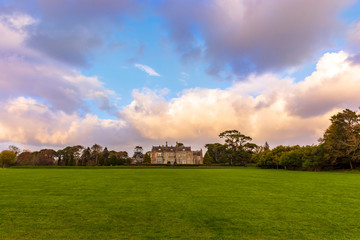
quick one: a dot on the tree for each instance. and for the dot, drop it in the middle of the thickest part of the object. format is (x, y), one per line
(239, 147)
(46, 157)
(7, 158)
(25, 158)
(96, 151)
(146, 159)
(15, 149)
(342, 139)
(85, 156)
(217, 152)
(292, 160)
(76, 152)
(104, 157)
(313, 157)
(60, 155)
(266, 146)
(208, 159)
(138, 152)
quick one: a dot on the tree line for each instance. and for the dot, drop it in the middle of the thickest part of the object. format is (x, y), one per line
(77, 155)
(339, 148)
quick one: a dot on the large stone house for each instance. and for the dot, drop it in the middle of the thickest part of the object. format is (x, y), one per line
(175, 154)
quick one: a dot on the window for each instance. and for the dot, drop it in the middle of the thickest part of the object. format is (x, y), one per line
(159, 154)
(183, 161)
(159, 161)
(171, 154)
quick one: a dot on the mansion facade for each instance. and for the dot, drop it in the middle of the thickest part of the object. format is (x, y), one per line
(175, 155)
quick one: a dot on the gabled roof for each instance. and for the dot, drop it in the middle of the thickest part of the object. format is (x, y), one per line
(197, 153)
(169, 148)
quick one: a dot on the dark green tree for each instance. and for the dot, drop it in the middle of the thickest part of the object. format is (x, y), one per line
(217, 151)
(208, 159)
(239, 147)
(85, 156)
(105, 157)
(138, 152)
(146, 159)
(342, 139)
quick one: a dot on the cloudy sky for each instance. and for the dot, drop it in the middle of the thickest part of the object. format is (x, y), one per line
(122, 73)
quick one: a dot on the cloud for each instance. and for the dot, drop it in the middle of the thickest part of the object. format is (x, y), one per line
(266, 107)
(147, 69)
(28, 121)
(46, 103)
(25, 72)
(353, 37)
(336, 82)
(70, 31)
(239, 37)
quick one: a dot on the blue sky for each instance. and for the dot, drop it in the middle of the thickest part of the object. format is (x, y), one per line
(126, 73)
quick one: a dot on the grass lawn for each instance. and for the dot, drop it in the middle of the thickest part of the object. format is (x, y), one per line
(163, 203)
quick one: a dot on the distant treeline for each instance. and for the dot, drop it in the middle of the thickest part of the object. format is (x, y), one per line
(339, 148)
(74, 156)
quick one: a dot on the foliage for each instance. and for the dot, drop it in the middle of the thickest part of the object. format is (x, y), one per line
(217, 152)
(15, 149)
(313, 158)
(292, 158)
(138, 152)
(85, 157)
(46, 157)
(74, 156)
(342, 140)
(208, 159)
(96, 151)
(25, 158)
(7, 157)
(146, 159)
(238, 147)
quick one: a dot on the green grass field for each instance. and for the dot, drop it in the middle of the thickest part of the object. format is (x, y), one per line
(164, 203)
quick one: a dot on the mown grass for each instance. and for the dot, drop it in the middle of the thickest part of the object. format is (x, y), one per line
(165, 203)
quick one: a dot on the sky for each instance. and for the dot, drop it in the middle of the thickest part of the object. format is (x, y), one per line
(123, 73)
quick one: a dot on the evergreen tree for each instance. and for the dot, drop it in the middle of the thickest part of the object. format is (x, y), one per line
(147, 159)
(86, 156)
(105, 156)
(208, 159)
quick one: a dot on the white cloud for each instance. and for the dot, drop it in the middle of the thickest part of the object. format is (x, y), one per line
(266, 107)
(27, 121)
(147, 69)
